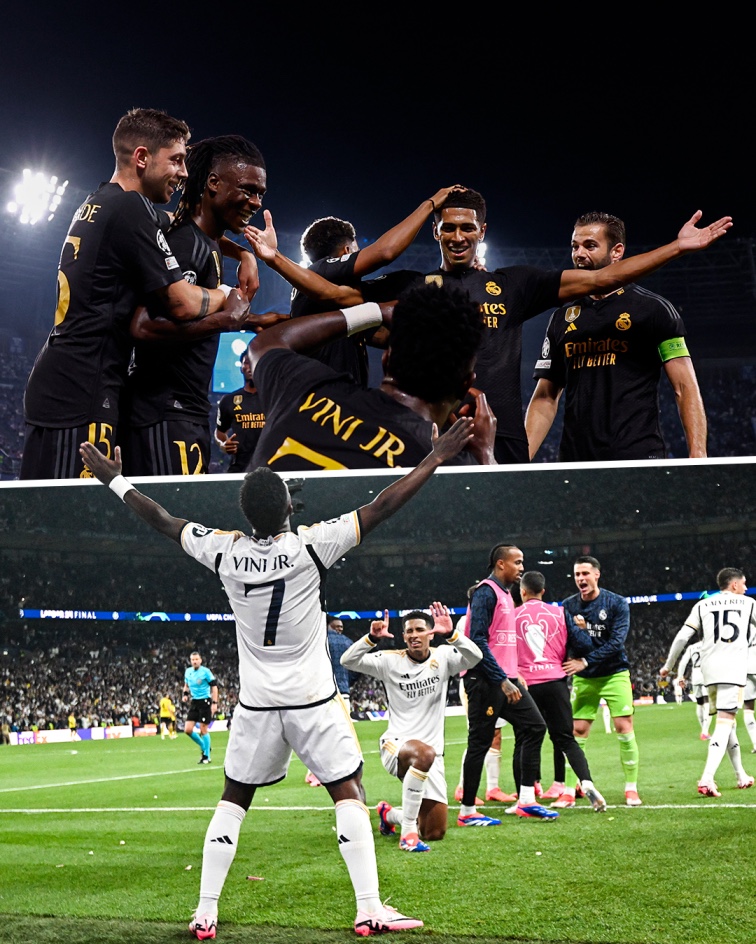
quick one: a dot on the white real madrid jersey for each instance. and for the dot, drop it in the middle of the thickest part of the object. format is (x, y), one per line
(416, 691)
(726, 624)
(276, 590)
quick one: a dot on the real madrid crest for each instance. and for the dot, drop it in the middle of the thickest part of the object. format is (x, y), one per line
(492, 288)
(623, 322)
(603, 614)
(434, 280)
(572, 313)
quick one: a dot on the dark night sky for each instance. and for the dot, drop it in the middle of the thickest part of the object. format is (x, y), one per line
(362, 117)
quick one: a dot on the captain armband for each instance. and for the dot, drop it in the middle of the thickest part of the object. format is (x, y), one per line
(361, 317)
(672, 348)
(120, 486)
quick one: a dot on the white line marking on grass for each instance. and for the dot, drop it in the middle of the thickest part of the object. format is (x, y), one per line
(325, 809)
(80, 783)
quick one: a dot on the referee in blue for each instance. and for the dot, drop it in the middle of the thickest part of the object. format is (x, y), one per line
(200, 684)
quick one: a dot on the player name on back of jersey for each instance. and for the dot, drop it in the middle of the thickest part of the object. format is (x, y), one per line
(262, 565)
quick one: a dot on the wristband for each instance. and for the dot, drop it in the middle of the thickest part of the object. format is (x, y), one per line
(433, 205)
(120, 486)
(360, 317)
(226, 289)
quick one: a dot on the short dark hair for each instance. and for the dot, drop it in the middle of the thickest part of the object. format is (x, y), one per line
(615, 228)
(533, 581)
(206, 156)
(195, 653)
(499, 552)
(325, 237)
(264, 500)
(435, 334)
(146, 127)
(418, 615)
(587, 559)
(467, 200)
(726, 575)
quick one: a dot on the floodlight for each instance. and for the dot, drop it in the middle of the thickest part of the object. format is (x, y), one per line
(36, 197)
(481, 253)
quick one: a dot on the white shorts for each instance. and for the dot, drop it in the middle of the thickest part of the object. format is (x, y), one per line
(698, 691)
(725, 698)
(749, 692)
(323, 738)
(435, 785)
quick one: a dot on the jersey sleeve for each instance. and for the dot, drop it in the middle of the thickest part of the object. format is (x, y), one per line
(364, 656)
(669, 332)
(538, 289)
(140, 243)
(223, 415)
(550, 365)
(204, 544)
(461, 653)
(331, 539)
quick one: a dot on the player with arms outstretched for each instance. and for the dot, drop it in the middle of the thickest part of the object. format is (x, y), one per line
(416, 680)
(287, 697)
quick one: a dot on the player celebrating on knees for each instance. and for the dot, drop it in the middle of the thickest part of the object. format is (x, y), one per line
(287, 695)
(416, 680)
(726, 624)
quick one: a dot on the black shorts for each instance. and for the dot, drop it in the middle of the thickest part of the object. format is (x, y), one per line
(167, 720)
(172, 447)
(200, 710)
(54, 453)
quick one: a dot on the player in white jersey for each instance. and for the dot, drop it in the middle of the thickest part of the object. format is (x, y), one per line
(726, 624)
(288, 697)
(698, 692)
(416, 680)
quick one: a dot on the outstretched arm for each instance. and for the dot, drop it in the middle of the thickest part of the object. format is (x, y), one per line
(395, 240)
(264, 243)
(690, 406)
(108, 470)
(306, 334)
(399, 493)
(691, 238)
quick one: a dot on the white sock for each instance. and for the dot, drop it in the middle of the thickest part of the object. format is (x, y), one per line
(750, 723)
(413, 788)
(733, 752)
(527, 796)
(221, 840)
(717, 747)
(493, 768)
(466, 810)
(462, 769)
(358, 852)
(702, 714)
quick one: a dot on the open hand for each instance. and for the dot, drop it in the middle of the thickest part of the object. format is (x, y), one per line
(379, 628)
(691, 237)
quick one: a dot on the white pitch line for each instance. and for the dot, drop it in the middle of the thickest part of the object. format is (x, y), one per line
(80, 783)
(325, 809)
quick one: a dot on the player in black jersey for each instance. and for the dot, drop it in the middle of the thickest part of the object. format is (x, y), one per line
(241, 413)
(114, 256)
(331, 246)
(167, 406)
(607, 351)
(509, 296)
(318, 419)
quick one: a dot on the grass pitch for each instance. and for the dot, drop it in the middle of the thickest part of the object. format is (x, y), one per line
(102, 841)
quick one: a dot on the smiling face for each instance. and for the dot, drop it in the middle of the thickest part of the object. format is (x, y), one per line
(417, 639)
(586, 580)
(163, 171)
(236, 192)
(590, 247)
(458, 233)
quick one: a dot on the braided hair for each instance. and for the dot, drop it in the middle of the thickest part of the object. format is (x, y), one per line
(203, 158)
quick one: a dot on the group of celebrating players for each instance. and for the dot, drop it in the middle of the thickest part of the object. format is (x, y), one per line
(141, 304)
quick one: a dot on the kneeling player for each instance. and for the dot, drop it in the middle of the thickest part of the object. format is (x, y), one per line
(416, 681)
